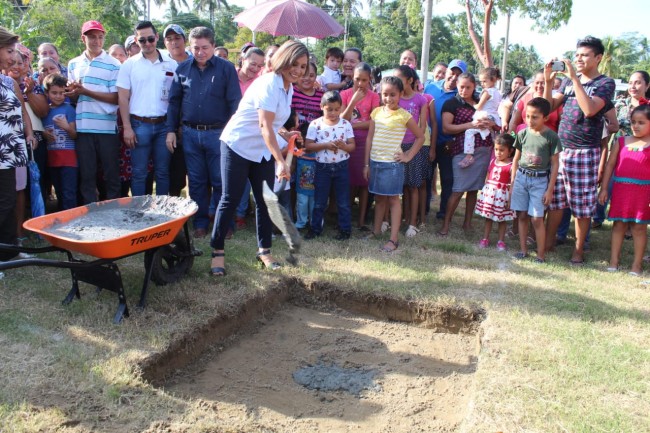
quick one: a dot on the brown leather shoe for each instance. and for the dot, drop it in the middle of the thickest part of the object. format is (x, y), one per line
(200, 233)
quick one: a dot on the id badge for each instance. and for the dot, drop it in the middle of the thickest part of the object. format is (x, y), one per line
(167, 84)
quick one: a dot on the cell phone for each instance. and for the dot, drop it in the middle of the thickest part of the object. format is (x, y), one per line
(558, 66)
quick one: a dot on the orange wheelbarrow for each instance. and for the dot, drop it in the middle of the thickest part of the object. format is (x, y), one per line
(112, 230)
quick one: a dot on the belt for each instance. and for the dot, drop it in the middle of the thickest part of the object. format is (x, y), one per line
(204, 127)
(533, 173)
(153, 120)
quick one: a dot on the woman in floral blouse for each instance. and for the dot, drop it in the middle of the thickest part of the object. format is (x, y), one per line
(14, 135)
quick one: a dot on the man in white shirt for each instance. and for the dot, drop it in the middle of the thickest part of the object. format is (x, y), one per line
(143, 87)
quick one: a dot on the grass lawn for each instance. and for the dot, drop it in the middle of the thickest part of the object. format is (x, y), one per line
(564, 349)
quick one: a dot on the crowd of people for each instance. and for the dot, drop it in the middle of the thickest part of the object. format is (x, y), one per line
(117, 122)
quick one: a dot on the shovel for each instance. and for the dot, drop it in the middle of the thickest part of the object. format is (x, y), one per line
(279, 214)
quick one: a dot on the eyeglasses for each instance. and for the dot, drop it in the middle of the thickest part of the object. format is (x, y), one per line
(150, 39)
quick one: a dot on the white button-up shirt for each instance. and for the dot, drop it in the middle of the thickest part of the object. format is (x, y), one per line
(148, 82)
(242, 133)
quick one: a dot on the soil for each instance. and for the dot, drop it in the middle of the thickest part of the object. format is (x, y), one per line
(361, 374)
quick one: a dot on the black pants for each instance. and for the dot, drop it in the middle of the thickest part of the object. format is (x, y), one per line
(234, 172)
(104, 148)
(7, 210)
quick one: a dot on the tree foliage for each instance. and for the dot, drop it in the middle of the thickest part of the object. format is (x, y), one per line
(546, 14)
(47, 21)
(393, 26)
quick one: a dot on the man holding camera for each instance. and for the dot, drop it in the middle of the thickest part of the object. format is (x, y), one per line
(584, 96)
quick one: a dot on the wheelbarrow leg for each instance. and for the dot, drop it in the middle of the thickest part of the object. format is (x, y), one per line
(122, 308)
(148, 267)
(74, 291)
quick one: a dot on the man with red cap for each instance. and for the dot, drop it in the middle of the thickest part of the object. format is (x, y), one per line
(92, 85)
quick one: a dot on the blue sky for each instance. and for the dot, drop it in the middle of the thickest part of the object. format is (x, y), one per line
(596, 17)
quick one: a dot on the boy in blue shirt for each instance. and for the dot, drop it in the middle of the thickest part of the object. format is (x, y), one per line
(60, 133)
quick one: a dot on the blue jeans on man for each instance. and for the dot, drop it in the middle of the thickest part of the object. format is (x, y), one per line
(444, 163)
(334, 175)
(203, 161)
(150, 142)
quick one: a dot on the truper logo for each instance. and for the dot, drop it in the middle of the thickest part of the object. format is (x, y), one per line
(143, 239)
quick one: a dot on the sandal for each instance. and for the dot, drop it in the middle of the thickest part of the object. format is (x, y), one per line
(268, 264)
(388, 249)
(217, 271)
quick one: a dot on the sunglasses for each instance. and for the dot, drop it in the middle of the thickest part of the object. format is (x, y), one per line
(150, 39)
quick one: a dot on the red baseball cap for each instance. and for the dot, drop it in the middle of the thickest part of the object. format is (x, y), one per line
(92, 25)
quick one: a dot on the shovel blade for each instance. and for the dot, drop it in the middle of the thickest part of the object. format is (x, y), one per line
(281, 219)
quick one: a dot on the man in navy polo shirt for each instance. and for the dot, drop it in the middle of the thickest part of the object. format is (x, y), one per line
(204, 95)
(442, 91)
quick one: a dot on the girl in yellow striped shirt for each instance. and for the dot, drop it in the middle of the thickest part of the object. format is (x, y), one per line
(384, 159)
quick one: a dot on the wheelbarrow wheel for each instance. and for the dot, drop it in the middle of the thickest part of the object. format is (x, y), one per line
(171, 262)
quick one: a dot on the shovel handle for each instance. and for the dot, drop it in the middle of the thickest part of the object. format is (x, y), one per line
(291, 147)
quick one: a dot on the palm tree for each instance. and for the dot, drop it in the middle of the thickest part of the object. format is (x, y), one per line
(174, 6)
(211, 5)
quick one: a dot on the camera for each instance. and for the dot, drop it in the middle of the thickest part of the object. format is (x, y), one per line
(558, 66)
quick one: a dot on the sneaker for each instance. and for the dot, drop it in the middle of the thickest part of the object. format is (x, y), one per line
(342, 236)
(484, 243)
(411, 231)
(501, 246)
(467, 161)
(311, 235)
(384, 226)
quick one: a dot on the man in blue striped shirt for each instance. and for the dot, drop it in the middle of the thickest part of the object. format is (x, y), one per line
(92, 84)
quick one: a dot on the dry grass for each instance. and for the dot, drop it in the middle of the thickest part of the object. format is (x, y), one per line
(563, 348)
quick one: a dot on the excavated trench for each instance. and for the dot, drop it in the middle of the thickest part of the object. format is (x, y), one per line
(320, 358)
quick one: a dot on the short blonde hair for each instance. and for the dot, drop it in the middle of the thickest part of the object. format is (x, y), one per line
(287, 55)
(7, 38)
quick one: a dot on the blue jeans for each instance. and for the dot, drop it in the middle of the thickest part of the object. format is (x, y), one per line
(601, 208)
(203, 161)
(304, 209)
(151, 141)
(243, 203)
(563, 229)
(332, 175)
(64, 180)
(236, 170)
(444, 163)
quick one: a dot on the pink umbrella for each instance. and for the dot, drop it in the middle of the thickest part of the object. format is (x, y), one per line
(291, 18)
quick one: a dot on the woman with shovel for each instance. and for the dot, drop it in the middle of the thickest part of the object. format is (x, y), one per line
(249, 150)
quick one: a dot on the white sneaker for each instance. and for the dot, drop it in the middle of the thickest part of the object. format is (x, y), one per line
(412, 231)
(384, 226)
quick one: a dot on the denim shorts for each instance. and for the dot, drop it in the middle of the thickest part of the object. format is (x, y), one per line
(386, 178)
(528, 193)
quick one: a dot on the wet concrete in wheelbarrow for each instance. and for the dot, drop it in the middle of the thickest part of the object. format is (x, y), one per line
(106, 221)
(317, 358)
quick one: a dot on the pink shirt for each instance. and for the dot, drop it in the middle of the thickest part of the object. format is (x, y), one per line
(364, 107)
(243, 85)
